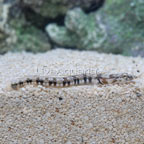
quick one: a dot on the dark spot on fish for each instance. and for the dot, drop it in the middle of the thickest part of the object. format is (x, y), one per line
(14, 86)
(20, 83)
(64, 83)
(55, 83)
(40, 81)
(60, 98)
(77, 80)
(85, 79)
(68, 83)
(90, 79)
(29, 81)
(50, 83)
(99, 80)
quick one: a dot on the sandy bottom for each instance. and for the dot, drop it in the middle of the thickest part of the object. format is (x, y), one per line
(90, 114)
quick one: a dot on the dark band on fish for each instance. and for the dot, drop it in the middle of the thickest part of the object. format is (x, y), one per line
(74, 80)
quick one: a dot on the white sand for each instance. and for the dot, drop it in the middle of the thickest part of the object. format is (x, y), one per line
(77, 115)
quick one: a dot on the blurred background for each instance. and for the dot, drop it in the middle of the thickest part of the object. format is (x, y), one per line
(108, 26)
